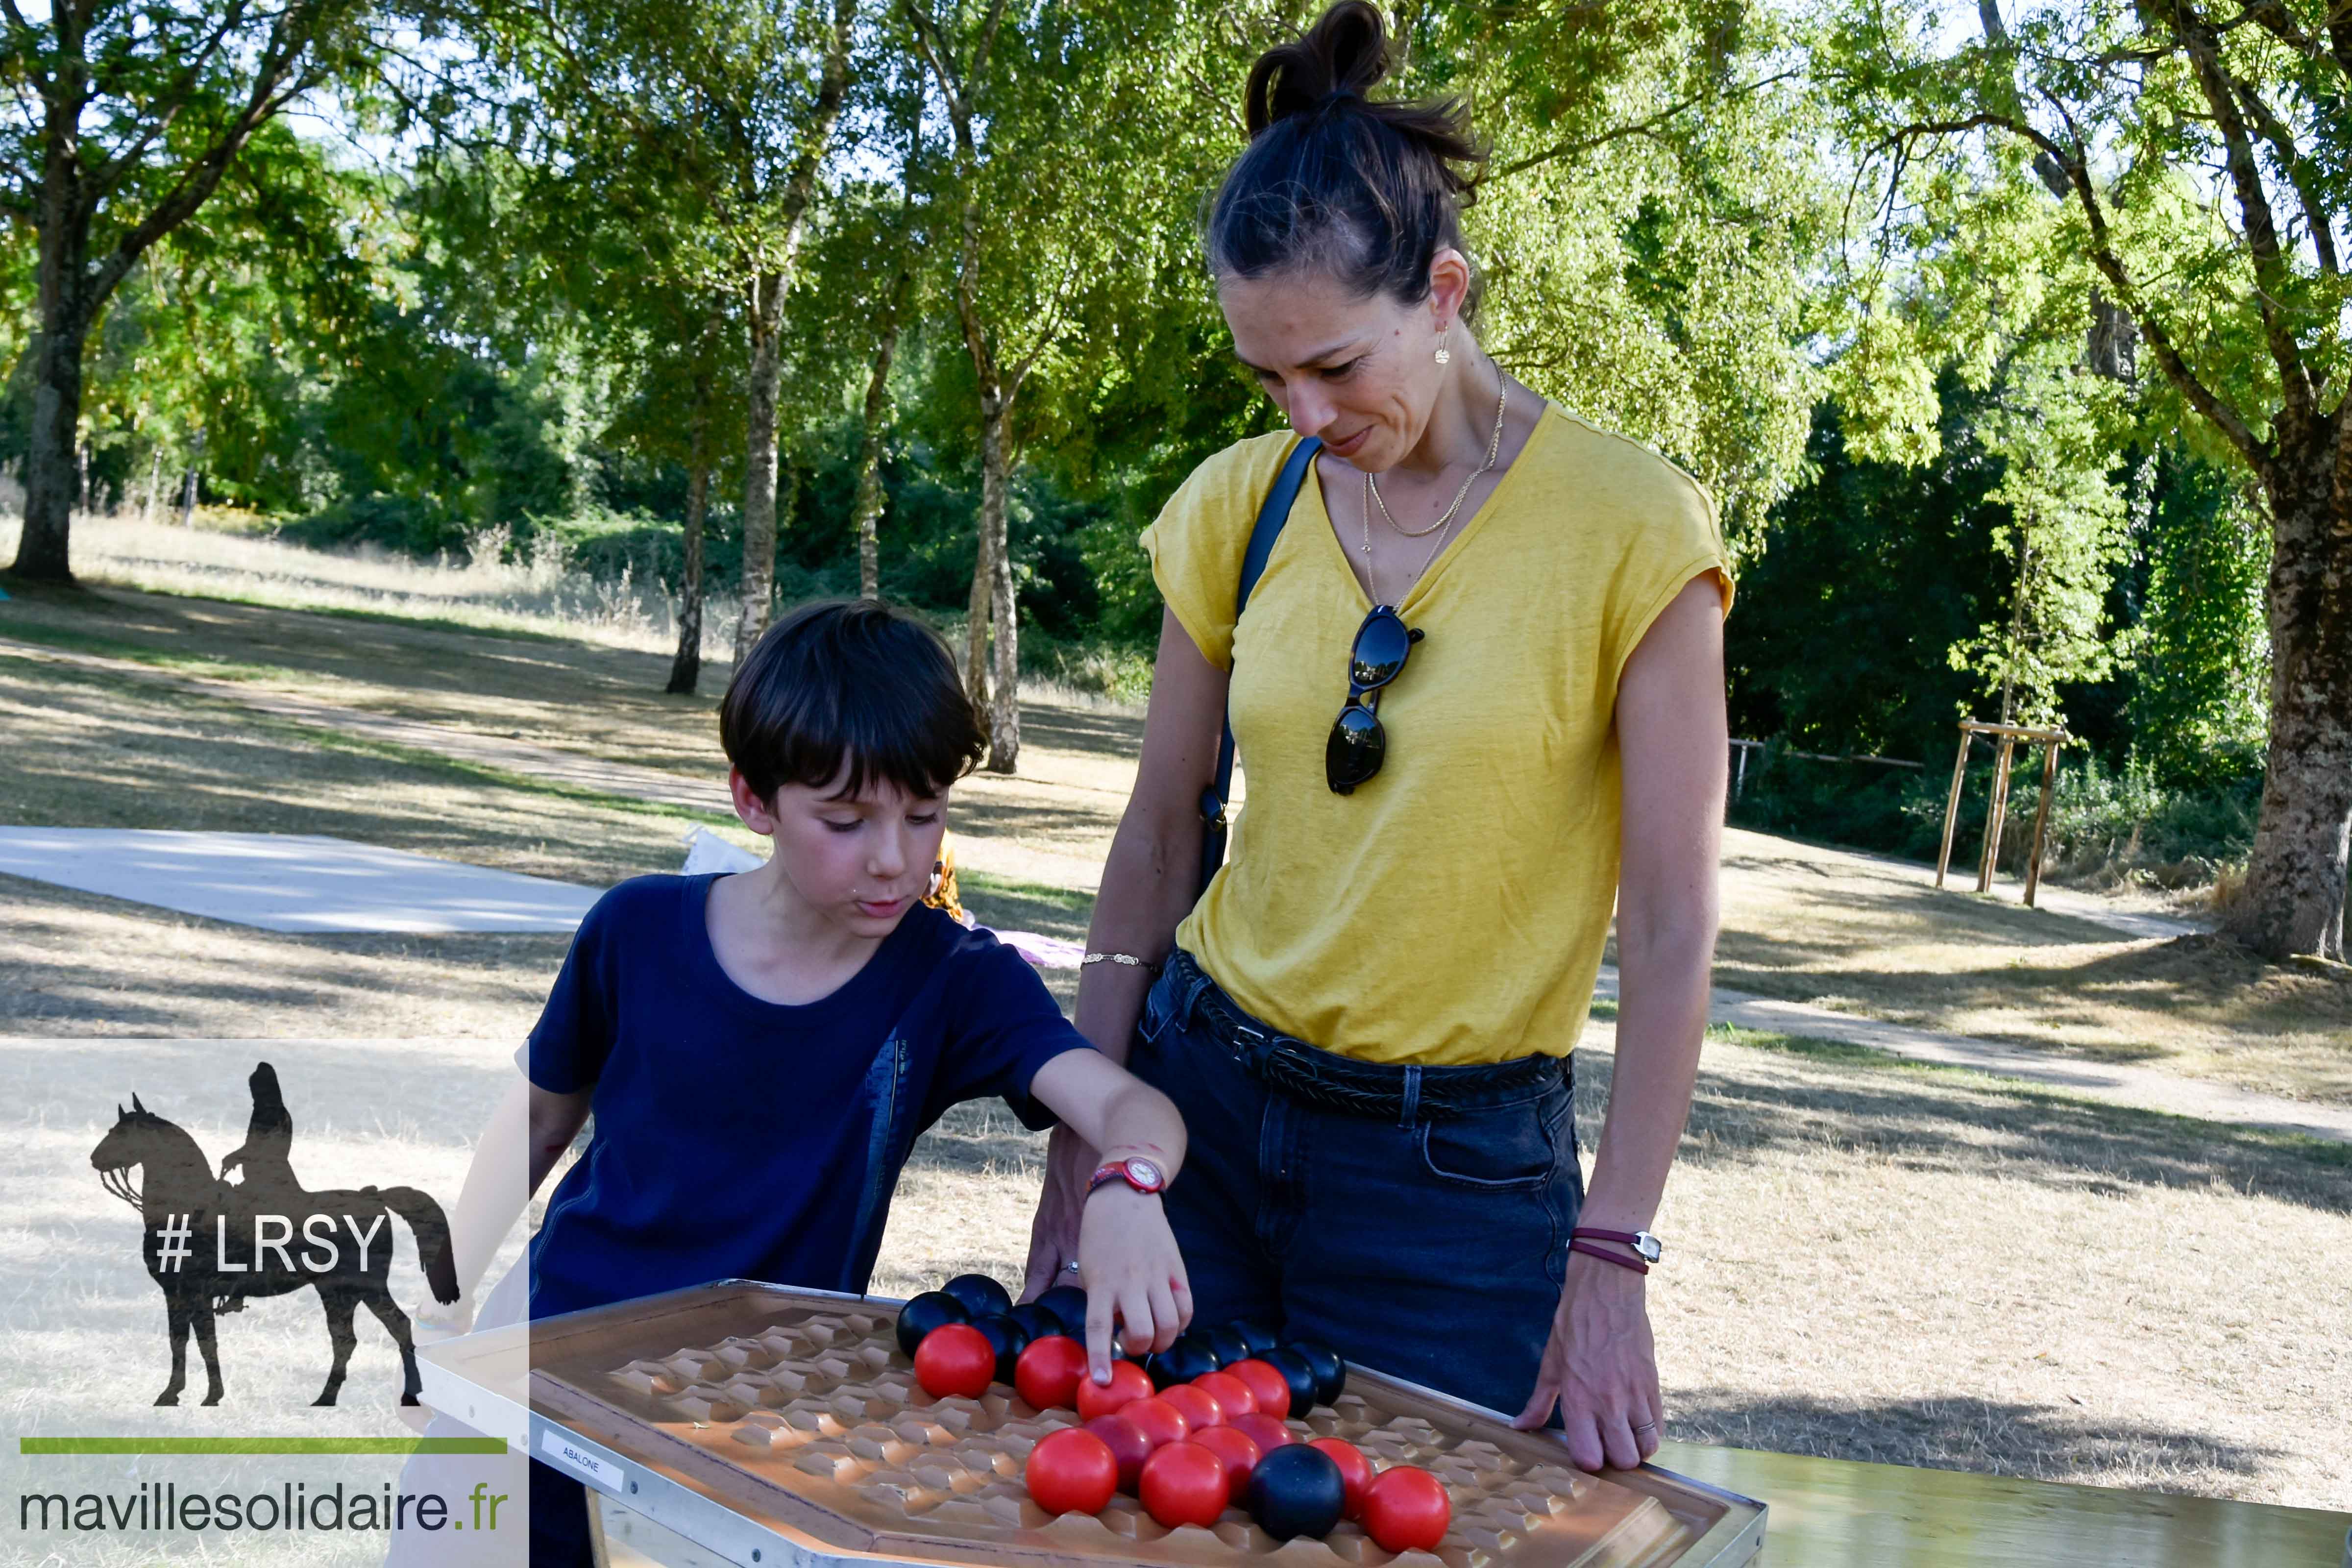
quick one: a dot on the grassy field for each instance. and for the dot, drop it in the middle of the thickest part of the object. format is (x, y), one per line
(1871, 1260)
(223, 558)
(1848, 931)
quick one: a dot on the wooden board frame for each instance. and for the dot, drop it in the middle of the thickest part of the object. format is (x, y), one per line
(728, 1511)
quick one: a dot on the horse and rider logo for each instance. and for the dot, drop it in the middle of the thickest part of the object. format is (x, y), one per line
(210, 1244)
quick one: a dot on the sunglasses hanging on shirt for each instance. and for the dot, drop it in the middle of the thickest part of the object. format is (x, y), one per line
(1358, 746)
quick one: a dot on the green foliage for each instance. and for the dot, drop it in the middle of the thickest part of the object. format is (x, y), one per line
(2064, 529)
(1868, 575)
(2200, 660)
(2106, 825)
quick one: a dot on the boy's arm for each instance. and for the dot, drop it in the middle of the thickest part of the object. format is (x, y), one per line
(525, 1136)
(1128, 1259)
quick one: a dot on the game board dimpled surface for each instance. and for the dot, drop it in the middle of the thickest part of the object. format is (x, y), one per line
(801, 1408)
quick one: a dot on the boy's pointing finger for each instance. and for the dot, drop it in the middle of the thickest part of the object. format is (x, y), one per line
(1099, 1315)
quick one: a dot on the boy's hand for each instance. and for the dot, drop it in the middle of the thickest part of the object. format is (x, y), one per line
(1134, 1277)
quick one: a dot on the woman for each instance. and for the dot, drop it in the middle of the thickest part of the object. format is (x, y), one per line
(1367, 1020)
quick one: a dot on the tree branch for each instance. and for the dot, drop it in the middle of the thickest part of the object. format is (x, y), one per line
(28, 42)
(1047, 334)
(2102, 253)
(173, 100)
(2271, 274)
(1639, 127)
(2298, 173)
(199, 179)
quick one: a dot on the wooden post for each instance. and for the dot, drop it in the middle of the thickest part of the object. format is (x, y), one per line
(2041, 819)
(1952, 804)
(1994, 817)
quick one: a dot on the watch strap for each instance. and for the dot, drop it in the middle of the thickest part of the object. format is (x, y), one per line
(1636, 1239)
(1118, 1171)
(1619, 1259)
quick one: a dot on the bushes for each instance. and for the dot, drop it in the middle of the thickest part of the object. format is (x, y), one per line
(2107, 826)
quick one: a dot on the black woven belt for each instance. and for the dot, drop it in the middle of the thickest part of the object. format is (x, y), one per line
(1309, 1074)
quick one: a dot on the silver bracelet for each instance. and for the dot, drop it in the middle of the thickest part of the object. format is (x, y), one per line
(1128, 959)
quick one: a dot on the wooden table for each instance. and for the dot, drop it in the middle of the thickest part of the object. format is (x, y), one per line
(1832, 1513)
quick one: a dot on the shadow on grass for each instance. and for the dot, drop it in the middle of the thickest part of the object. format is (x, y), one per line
(2205, 978)
(49, 980)
(1009, 905)
(1950, 1118)
(1101, 734)
(1955, 1433)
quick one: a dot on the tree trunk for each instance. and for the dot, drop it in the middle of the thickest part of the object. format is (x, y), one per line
(766, 314)
(188, 500)
(759, 462)
(154, 484)
(49, 474)
(2294, 893)
(686, 669)
(1004, 715)
(870, 457)
(975, 658)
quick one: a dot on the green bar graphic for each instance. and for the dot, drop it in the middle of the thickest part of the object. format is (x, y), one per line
(261, 1446)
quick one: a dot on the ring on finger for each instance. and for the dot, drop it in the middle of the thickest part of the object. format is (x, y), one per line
(1072, 1266)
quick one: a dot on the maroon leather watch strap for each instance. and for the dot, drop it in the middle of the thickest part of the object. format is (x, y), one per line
(1619, 1259)
(1628, 1237)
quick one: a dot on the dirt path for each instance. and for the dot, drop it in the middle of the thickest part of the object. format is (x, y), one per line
(2109, 1083)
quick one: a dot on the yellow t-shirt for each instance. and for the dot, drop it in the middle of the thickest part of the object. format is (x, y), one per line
(1454, 909)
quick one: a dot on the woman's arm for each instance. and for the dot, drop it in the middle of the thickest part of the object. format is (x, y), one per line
(1133, 1272)
(1601, 1366)
(1150, 882)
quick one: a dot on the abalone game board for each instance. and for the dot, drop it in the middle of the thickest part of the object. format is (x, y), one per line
(796, 1411)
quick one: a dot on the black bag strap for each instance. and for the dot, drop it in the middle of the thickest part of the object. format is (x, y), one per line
(1270, 519)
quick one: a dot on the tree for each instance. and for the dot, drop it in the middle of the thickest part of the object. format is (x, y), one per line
(2065, 532)
(1650, 215)
(2137, 109)
(1041, 108)
(124, 122)
(724, 110)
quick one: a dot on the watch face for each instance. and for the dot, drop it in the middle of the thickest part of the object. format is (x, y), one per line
(1649, 1247)
(1143, 1174)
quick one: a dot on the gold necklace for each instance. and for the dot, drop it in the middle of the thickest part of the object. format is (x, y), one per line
(1372, 495)
(1494, 449)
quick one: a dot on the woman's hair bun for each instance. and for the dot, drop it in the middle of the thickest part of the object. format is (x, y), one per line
(1346, 52)
(1367, 189)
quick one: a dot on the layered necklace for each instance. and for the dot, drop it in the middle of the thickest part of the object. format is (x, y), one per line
(1444, 522)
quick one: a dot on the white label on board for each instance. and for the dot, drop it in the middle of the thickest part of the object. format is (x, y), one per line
(572, 1457)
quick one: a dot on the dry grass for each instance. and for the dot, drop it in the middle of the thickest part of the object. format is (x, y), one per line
(534, 594)
(1952, 1272)
(89, 750)
(1849, 931)
(1864, 935)
(86, 1347)
(1878, 1262)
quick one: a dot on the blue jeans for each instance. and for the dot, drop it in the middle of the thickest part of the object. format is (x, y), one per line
(1428, 1244)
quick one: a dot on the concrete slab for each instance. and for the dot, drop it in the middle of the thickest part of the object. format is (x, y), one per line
(292, 882)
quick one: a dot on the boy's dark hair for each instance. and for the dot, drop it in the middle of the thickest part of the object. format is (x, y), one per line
(1366, 189)
(849, 682)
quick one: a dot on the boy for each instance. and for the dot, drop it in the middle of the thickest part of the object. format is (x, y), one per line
(762, 1049)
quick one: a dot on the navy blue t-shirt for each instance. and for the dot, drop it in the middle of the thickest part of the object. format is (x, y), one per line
(741, 1139)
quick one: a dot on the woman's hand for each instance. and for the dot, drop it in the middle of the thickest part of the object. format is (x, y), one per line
(1601, 1368)
(1053, 1233)
(1134, 1277)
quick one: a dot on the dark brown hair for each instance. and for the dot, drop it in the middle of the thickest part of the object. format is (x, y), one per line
(1367, 191)
(849, 682)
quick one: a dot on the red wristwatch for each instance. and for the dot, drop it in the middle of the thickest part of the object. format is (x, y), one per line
(1143, 1175)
